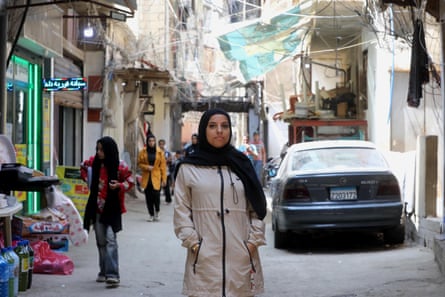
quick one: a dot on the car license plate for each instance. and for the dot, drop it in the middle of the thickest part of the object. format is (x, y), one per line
(343, 193)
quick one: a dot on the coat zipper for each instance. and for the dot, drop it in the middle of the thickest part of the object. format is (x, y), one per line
(222, 212)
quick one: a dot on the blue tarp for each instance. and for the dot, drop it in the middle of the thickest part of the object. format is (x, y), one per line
(260, 46)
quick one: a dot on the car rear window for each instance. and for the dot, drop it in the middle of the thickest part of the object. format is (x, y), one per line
(331, 158)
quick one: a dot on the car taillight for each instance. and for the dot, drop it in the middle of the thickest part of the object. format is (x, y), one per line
(299, 193)
(389, 187)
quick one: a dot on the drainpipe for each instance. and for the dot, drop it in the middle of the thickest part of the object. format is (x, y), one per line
(442, 91)
(166, 34)
(106, 84)
(3, 41)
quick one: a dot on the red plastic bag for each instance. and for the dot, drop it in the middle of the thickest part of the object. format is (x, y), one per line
(47, 261)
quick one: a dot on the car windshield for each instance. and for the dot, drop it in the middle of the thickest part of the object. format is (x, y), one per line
(331, 158)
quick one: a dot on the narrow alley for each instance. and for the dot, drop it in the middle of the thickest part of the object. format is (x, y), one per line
(152, 259)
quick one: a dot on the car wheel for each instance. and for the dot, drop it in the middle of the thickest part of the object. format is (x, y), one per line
(280, 239)
(395, 235)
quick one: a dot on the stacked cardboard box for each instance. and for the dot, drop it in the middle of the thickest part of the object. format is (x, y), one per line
(55, 232)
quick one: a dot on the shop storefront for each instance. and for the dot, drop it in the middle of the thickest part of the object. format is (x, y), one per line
(68, 113)
(24, 123)
(43, 123)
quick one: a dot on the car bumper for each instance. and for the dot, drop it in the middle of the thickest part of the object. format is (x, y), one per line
(349, 216)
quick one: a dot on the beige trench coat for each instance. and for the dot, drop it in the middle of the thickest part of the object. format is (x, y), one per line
(211, 209)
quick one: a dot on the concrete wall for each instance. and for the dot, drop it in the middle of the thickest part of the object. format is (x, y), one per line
(439, 251)
(151, 31)
(93, 65)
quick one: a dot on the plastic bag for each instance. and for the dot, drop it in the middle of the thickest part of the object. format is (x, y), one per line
(47, 261)
(58, 200)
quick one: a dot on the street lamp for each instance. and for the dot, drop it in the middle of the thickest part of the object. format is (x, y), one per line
(88, 32)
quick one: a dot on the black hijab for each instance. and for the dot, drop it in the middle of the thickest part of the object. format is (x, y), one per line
(151, 151)
(228, 155)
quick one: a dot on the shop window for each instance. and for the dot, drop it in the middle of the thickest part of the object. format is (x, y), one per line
(244, 10)
(185, 10)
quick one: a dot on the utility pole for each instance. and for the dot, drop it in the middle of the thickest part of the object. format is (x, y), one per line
(3, 57)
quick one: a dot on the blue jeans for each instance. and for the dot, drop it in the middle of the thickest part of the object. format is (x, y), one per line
(258, 165)
(106, 242)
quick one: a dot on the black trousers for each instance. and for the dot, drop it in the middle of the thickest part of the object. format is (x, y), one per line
(152, 198)
(167, 191)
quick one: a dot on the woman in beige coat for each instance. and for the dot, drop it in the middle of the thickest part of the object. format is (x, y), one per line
(219, 207)
(151, 161)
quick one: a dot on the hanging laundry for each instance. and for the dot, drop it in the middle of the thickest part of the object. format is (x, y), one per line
(419, 74)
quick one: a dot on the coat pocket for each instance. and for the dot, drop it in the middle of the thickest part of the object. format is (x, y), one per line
(195, 261)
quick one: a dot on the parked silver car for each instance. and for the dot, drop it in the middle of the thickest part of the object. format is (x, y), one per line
(336, 185)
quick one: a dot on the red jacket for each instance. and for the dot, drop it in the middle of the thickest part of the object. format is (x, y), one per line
(125, 177)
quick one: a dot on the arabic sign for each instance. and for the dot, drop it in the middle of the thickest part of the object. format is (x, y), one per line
(73, 186)
(65, 84)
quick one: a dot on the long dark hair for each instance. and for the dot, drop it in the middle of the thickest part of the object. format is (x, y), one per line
(111, 214)
(110, 161)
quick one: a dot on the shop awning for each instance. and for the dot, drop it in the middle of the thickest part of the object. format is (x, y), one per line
(216, 102)
(140, 74)
(130, 4)
(126, 7)
(262, 45)
(432, 6)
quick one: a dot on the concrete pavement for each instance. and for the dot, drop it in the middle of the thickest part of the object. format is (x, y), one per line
(147, 253)
(151, 261)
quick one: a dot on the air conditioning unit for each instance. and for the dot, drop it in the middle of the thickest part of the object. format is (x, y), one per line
(144, 89)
